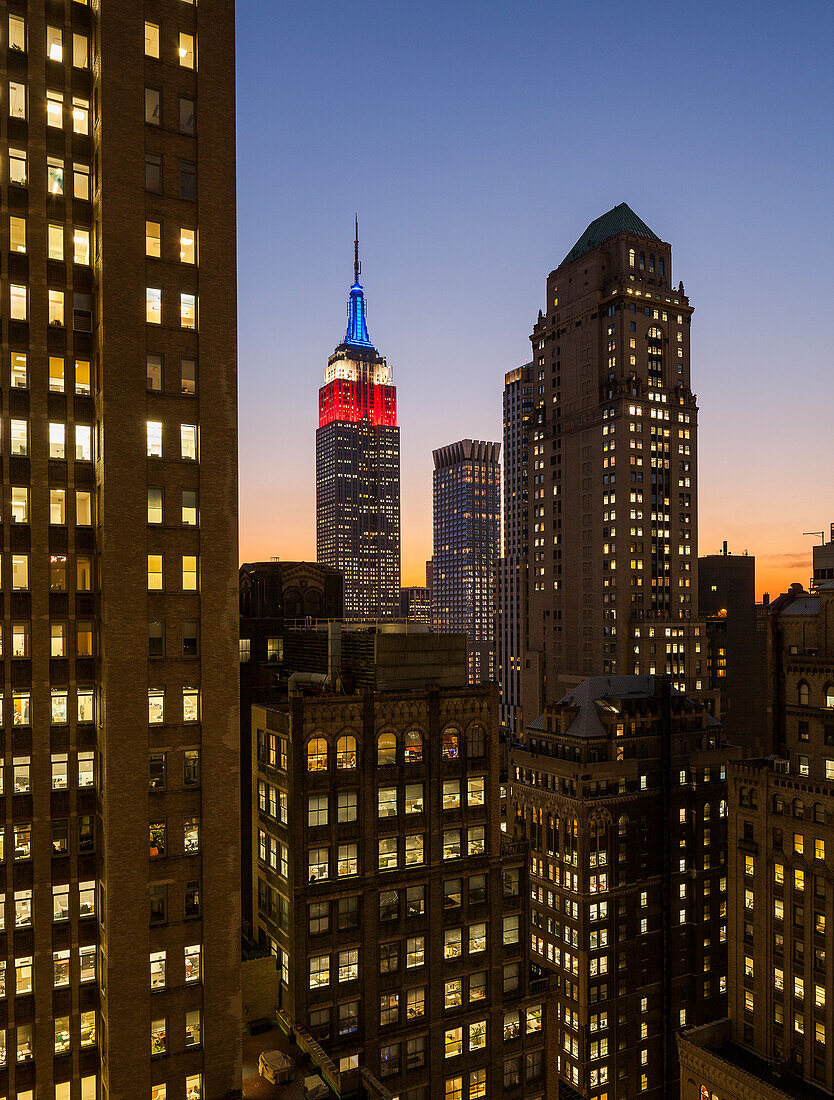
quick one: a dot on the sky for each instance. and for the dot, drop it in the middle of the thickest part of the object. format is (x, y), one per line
(477, 140)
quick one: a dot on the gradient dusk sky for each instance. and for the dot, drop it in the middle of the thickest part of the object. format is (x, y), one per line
(477, 140)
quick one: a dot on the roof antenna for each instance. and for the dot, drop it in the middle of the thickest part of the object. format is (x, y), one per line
(357, 267)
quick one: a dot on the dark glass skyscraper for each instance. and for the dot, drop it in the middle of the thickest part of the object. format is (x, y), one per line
(512, 567)
(467, 506)
(358, 469)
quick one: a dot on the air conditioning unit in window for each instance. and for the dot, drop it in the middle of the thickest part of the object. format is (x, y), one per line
(781, 766)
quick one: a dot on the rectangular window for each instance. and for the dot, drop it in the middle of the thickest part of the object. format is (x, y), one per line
(188, 376)
(154, 444)
(153, 365)
(186, 50)
(154, 505)
(154, 572)
(153, 173)
(188, 246)
(153, 239)
(17, 234)
(56, 374)
(19, 370)
(17, 100)
(189, 573)
(80, 52)
(82, 376)
(153, 305)
(189, 507)
(83, 443)
(187, 115)
(81, 246)
(188, 311)
(152, 40)
(18, 173)
(18, 310)
(80, 115)
(153, 106)
(189, 442)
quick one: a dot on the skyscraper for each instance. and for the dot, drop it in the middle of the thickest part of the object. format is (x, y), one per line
(119, 375)
(466, 504)
(775, 1041)
(519, 403)
(621, 792)
(613, 468)
(358, 469)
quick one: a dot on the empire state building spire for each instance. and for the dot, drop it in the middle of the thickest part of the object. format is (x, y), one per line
(357, 328)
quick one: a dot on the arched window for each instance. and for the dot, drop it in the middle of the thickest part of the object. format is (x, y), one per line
(386, 749)
(451, 744)
(655, 333)
(621, 825)
(828, 695)
(413, 747)
(804, 694)
(476, 741)
(642, 260)
(819, 813)
(346, 751)
(798, 808)
(317, 755)
(651, 261)
(631, 257)
(706, 811)
(722, 808)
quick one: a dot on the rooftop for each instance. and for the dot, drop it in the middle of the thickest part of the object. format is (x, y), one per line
(621, 219)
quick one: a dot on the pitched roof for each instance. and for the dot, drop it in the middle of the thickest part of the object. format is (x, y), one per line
(621, 219)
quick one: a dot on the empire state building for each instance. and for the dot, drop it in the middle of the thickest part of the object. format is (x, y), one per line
(358, 469)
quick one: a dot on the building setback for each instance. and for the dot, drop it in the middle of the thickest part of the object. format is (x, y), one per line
(120, 436)
(358, 469)
(736, 645)
(466, 507)
(620, 790)
(383, 886)
(612, 583)
(519, 402)
(776, 1039)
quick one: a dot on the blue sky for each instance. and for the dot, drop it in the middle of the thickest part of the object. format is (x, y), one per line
(477, 140)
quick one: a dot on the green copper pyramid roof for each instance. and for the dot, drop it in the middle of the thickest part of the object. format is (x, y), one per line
(621, 219)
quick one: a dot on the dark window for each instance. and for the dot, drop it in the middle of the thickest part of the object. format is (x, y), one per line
(159, 904)
(156, 771)
(348, 913)
(86, 834)
(153, 106)
(188, 180)
(415, 901)
(60, 837)
(156, 639)
(187, 116)
(189, 638)
(389, 905)
(153, 172)
(192, 899)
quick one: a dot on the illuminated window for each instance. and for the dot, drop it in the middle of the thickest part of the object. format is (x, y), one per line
(154, 441)
(153, 239)
(154, 572)
(188, 246)
(188, 311)
(186, 50)
(151, 40)
(189, 573)
(153, 305)
(17, 234)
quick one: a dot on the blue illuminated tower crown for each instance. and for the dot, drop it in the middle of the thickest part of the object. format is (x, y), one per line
(357, 328)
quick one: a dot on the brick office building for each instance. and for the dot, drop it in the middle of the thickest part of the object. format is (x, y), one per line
(396, 910)
(118, 376)
(620, 790)
(775, 1040)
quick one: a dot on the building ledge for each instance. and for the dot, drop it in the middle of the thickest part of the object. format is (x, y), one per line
(710, 1059)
